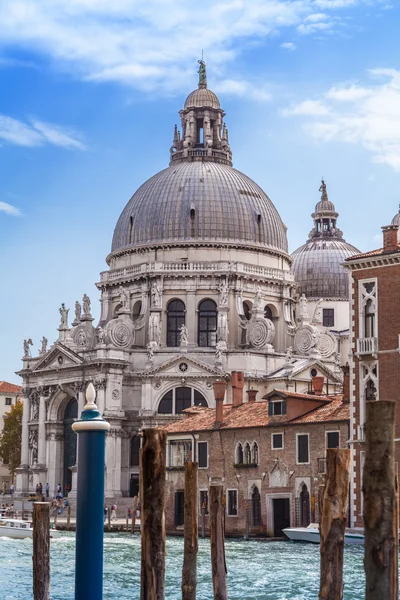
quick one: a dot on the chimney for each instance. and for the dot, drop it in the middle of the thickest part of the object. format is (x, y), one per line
(346, 382)
(219, 395)
(390, 240)
(237, 388)
(318, 384)
(251, 395)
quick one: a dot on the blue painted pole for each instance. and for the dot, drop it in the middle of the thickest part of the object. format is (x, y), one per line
(91, 429)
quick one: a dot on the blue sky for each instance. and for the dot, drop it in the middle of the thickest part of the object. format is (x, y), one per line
(89, 95)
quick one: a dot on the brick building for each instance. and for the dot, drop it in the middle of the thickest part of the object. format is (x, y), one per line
(269, 454)
(9, 395)
(375, 329)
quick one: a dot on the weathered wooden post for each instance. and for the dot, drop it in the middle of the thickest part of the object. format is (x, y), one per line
(134, 508)
(333, 523)
(189, 569)
(68, 517)
(217, 534)
(152, 493)
(380, 510)
(41, 551)
(127, 519)
(203, 520)
(247, 521)
(109, 518)
(91, 429)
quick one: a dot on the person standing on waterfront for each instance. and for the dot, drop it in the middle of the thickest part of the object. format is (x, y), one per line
(114, 512)
(47, 490)
(12, 490)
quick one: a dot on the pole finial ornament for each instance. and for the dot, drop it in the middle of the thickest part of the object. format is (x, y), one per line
(90, 397)
(202, 74)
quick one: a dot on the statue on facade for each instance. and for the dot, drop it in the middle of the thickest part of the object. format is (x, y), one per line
(27, 350)
(155, 295)
(202, 73)
(78, 311)
(86, 304)
(223, 293)
(303, 308)
(155, 328)
(64, 316)
(151, 346)
(101, 335)
(289, 355)
(123, 297)
(257, 299)
(219, 349)
(33, 445)
(44, 341)
(317, 316)
(184, 333)
(34, 409)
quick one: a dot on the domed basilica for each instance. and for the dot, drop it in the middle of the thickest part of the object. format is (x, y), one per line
(199, 284)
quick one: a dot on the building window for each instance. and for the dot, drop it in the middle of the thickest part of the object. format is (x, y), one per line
(175, 320)
(303, 454)
(254, 453)
(8, 401)
(135, 447)
(202, 452)
(369, 319)
(277, 441)
(328, 317)
(239, 454)
(368, 300)
(247, 310)
(232, 503)
(370, 390)
(203, 497)
(207, 323)
(176, 400)
(180, 452)
(247, 454)
(267, 312)
(276, 407)
(332, 439)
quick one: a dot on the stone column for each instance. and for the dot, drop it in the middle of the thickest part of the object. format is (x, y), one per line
(113, 462)
(101, 394)
(81, 400)
(42, 432)
(190, 317)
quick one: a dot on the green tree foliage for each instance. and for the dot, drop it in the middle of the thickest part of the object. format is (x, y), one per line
(10, 438)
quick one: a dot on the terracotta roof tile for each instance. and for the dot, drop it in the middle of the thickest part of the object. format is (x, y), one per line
(9, 388)
(288, 394)
(378, 252)
(254, 414)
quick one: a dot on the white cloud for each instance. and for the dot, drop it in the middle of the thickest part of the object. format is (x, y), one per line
(364, 115)
(10, 210)
(37, 133)
(307, 107)
(289, 46)
(243, 89)
(152, 45)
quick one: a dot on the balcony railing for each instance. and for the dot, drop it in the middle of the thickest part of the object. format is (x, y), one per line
(367, 345)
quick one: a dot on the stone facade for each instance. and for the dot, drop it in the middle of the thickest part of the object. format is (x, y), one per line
(271, 487)
(375, 329)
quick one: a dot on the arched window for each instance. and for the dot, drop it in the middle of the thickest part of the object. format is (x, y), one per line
(370, 390)
(254, 453)
(268, 312)
(247, 310)
(369, 319)
(175, 320)
(247, 454)
(239, 454)
(176, 400)
(135, 447)
(207, 323)
(256, 507)
(136, 310)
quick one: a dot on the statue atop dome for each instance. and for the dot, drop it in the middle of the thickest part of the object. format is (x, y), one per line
(322, 188)
(202, 74)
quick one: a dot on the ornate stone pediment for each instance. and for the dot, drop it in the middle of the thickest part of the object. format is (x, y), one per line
(182, 366)
(58, 357)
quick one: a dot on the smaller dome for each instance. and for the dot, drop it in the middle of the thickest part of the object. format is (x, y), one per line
(396, 219)
(202, 97)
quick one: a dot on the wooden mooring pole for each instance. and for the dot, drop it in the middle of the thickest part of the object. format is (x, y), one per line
(333, 523)
(380, 503)
(134, 509)
(68, 517)
(217, 534)
(153, 474)
(41, 551)
(189, 569)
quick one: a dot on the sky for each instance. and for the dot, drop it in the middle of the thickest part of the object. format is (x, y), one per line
(89, 94)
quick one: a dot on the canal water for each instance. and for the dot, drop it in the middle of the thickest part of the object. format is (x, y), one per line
(256, 570)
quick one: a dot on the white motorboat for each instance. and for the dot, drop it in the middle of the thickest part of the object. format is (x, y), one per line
(311, 534)
(17, 528)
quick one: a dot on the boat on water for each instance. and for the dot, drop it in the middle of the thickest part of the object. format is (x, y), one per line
(311, 534)
(17, 528)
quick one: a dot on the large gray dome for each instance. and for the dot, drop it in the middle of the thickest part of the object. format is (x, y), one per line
(200, 202)
(318, 271)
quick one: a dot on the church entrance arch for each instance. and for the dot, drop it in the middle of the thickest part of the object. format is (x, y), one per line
(70, 442)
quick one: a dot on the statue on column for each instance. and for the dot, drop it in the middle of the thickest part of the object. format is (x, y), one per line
(155, 295)
(151, 346)
(123, 297)
(27, 350)
(317, 316)
(223, 293)
(33, 445)
(86, 304)
(78, 312)
(257, 299)
(303, 308)
(101, 335)
(64, 316)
